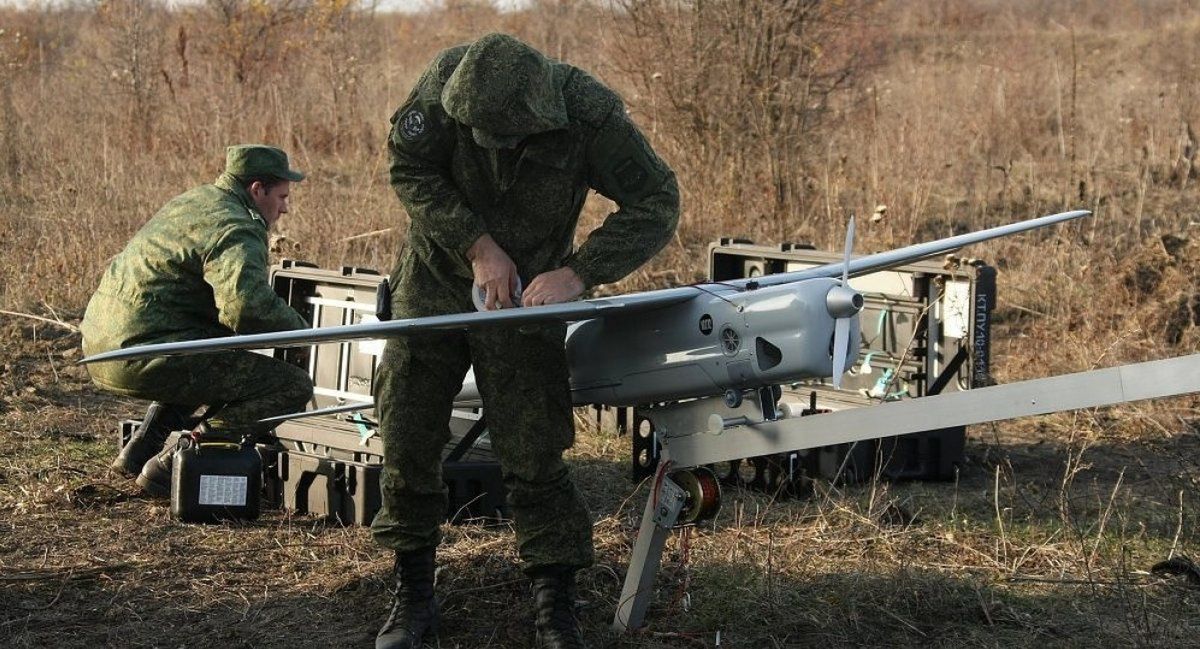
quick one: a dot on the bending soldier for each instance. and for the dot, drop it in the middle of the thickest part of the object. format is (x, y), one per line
(198, 269)
(492, 156)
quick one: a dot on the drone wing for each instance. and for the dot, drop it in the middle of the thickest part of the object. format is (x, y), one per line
(331, 410)
(900, 256)
(566, 312)
(571, 311)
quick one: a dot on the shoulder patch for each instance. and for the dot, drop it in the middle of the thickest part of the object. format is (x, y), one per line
(413, 124)
(630, 175)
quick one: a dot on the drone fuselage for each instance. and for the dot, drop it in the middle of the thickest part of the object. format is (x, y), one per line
(723, 340)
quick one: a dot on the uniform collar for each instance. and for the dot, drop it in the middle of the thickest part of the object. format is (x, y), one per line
(548, 148)
(230, 184)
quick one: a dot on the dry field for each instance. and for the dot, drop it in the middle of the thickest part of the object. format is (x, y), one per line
(781, 119)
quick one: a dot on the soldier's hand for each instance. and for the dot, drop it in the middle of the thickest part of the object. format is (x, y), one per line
(556, 286)
(494, 272)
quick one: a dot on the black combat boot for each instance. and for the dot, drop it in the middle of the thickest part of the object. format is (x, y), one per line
(414, 612)
(155, 478)
(554, 598)
(160, 420)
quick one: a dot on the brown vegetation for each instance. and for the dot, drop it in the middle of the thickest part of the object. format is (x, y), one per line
(782, 119)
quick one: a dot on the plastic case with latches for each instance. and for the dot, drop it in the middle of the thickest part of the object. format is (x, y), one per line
(926, 329)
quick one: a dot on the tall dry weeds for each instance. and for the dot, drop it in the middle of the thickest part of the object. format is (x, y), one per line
(781, 120)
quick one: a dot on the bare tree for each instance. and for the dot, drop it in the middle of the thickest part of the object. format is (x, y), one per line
(131, 53)
(344, 33)
(250, 34)
(746, 83)
(15, 54)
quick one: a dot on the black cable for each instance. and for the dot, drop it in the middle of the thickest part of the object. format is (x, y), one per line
(699, 286)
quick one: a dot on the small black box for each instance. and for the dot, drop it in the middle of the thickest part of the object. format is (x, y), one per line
(215, 481)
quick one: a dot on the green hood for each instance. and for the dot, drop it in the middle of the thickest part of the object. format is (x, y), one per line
(504, 87)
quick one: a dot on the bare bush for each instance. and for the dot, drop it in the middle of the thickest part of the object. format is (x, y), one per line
(744, 88)
(251, 36)
(131, 54)
(342, 34)
(14, 56)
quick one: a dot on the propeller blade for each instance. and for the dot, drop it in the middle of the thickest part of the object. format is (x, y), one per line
(841, 349)
(841, 328)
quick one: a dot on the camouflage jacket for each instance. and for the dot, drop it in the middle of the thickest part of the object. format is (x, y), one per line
(197, 269)
(528, 198)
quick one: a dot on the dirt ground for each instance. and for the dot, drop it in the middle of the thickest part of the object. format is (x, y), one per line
(996, 558)
(964, 115)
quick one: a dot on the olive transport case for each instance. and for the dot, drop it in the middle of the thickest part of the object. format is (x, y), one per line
(926, 329)
(329, 465)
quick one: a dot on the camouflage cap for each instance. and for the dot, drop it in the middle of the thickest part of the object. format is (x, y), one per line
(504, 89)
(253, 160)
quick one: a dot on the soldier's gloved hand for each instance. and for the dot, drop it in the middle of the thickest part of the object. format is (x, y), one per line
(561, 285)
(494, 272)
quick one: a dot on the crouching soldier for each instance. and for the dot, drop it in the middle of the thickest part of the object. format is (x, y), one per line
(198, 269)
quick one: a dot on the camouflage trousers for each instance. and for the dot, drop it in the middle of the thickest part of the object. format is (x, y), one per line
(251, 386)
(522, 376)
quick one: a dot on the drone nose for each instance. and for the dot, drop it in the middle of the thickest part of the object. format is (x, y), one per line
(843, 302)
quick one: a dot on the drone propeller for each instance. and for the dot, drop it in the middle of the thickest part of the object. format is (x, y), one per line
(843, 303)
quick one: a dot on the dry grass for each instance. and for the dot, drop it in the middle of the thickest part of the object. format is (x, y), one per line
(1014, 553)
(960, 115)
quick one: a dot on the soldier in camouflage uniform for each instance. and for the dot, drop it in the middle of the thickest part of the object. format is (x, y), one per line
(492, 155)
(198, 269)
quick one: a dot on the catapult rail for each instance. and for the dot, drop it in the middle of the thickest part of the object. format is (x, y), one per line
(1103, 387)
(688, 442)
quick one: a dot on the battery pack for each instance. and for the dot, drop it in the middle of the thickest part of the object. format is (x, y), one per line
(215, 481)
